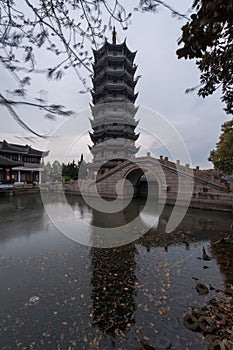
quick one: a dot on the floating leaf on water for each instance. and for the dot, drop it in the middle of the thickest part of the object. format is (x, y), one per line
(34, 300)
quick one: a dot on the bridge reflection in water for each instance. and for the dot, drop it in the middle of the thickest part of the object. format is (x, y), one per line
(104, 298)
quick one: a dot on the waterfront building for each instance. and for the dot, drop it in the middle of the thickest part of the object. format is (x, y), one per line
(113, 108)
(18, 163)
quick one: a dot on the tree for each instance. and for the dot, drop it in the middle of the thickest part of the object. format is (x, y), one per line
(56, 171)
(208, 37)
(62, 28)
(47, 172)
(67, 28)
(222, 156)
(74, 171)
(70, 170)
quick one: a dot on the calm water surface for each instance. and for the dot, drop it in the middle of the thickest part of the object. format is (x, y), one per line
(115, 298)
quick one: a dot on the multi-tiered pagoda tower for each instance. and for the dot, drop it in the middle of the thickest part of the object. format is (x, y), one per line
(113, 107)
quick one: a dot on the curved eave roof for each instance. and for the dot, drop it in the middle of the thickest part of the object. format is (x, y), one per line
(105, 64)
(110, 45)
(124, 78)
(5, 162)
(14, 148)
(45, 154)
(122, 91)
(105, 106)
(109, 99)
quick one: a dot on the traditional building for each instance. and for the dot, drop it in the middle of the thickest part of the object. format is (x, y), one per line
(113, 107)
(20, 163)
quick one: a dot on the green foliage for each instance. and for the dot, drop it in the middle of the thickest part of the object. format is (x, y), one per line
(222, 157)
(208, 37)
(70, 170)
(74, 171)
(66, 179)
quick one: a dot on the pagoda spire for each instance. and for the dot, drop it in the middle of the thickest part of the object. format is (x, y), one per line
(114, 36)
(113, 111)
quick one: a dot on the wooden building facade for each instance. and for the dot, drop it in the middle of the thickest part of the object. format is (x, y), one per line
(20, 164)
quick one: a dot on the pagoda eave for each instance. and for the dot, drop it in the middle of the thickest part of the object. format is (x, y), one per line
(113, 98)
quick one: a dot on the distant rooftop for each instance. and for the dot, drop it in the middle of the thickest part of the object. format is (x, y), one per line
(22, 149)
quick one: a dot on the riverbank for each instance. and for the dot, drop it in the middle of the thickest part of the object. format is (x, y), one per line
(10, 190)
(219, 201)
(200, 200)
(214, 319)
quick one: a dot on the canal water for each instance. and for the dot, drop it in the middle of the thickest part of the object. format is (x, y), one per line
(128, 297)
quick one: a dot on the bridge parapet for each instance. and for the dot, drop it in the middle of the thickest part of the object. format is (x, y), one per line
(167, 174)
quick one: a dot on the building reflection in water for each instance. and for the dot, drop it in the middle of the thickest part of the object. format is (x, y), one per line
(113, 269)
(113, 288)
(18, 210)
(122, 227)
(113, 276)
(113, 279)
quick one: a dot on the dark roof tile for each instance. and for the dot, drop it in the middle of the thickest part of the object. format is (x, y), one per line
(11, 147)
(5, 162)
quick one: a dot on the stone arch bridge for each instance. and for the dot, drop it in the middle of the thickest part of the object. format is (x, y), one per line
(160, 178)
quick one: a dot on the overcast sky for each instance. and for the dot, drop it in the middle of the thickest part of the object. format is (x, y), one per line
(161, 88)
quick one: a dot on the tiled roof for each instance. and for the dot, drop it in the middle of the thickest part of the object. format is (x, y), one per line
(15, 148)
(4, 162)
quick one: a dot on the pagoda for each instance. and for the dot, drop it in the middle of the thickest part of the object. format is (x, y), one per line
(113, 109)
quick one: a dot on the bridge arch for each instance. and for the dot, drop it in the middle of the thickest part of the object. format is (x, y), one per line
(145, 179)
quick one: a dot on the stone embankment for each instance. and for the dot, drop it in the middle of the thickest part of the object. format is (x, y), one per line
(212, 200)
(14, 190)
